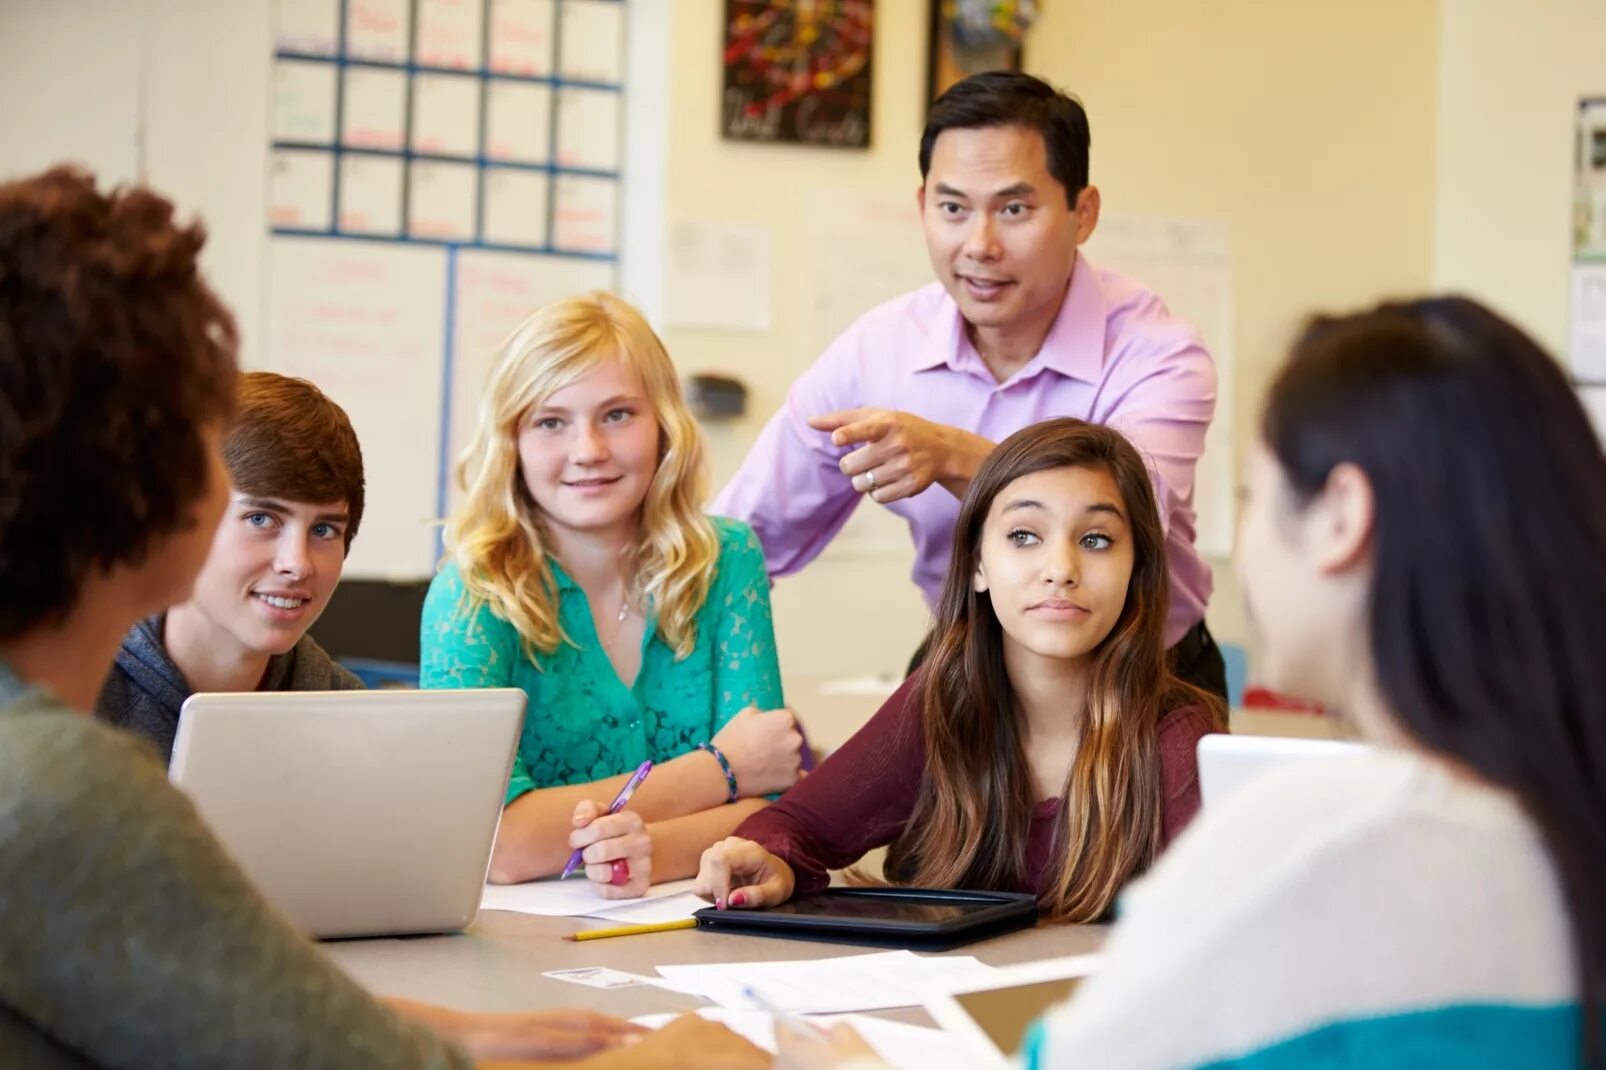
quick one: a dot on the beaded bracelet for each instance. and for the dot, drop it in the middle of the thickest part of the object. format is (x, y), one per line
(725, 765)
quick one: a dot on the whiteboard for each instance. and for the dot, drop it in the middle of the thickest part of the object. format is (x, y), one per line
(494, 293)
(365, 321)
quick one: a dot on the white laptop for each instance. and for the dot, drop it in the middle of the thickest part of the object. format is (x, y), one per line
(988, 1020)
(1227, 763)
(357, 813)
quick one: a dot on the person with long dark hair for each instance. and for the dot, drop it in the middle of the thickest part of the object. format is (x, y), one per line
(1424, 550)
(1045, 745)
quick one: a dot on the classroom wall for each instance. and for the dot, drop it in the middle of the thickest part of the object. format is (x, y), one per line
(1257, 114)
(1510, 75)
(1308, 127)
(1253, 113)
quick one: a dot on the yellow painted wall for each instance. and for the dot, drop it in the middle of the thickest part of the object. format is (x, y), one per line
(1510, 75)
(1308, 127)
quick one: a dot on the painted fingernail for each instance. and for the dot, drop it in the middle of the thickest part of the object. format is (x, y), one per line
(738, 899)
(719, 903)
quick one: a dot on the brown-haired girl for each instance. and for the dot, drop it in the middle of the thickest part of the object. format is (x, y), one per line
(1045, 746)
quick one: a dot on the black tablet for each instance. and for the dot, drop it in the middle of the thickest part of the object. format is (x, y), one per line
(930, 919)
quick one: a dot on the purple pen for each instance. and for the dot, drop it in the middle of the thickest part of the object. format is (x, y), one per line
(618, 804)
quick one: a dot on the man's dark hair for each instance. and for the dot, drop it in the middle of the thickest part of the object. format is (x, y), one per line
(1010, 98)
(114, 356)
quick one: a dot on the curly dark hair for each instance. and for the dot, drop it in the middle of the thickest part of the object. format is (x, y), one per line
(114, 355)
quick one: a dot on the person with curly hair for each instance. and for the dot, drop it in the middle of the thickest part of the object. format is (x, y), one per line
(128, 937)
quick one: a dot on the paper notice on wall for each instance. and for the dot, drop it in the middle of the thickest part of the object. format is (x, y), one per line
(494, 293)
(364, 321)
(1594, 399)
(522, 36)
(718, 276)
(310, 26)
(378, 29)
(1587, 343)
(304, 101)
(449, 33)
(863, 247)
(1188, 264)
(301, 189)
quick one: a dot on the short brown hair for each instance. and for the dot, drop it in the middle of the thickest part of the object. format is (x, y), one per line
(290, 441)
(115, 356)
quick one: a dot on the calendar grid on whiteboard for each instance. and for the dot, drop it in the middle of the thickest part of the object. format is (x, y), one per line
(390, 129)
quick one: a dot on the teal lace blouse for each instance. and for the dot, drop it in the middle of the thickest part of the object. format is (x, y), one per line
(582, 723)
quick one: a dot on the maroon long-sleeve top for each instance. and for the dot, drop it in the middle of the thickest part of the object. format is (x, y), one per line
(861, 797)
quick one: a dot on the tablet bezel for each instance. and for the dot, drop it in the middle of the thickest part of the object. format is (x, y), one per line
(996, 913)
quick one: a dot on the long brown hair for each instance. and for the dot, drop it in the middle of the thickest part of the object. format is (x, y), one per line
(969, 826)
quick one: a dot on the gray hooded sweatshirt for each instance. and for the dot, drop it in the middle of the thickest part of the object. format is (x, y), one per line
(145, 690)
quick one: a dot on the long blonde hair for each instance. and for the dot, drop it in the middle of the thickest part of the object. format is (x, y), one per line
(498, 536)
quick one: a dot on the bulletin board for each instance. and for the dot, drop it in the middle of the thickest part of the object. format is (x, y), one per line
(438, 169)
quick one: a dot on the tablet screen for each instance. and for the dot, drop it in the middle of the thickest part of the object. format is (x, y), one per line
(905, 910)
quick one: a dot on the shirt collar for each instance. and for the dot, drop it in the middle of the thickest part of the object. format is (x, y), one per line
(1074, 346)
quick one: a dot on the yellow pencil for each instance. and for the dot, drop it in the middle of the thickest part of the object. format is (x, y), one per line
(632, 930)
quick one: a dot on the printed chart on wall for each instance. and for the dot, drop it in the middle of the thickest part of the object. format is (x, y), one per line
(439, 170)
(1587, 341)
(1188, 263)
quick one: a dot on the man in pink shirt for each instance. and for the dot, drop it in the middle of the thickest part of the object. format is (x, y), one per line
(1019, 327)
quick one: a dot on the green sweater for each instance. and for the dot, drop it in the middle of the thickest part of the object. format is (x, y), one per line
(128, 938)
(582, 723)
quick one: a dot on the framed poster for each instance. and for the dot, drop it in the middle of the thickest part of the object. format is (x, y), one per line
(971, 36)
(798, 73)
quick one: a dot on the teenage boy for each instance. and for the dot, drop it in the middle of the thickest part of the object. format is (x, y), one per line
(296, 498)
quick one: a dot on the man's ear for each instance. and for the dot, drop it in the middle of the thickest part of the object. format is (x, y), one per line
(1086, 209)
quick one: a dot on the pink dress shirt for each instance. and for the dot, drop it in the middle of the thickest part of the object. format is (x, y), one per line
(1114, 356)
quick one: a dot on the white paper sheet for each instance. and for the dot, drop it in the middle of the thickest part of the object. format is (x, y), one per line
(719, 276)
(375, 108)
(573, 898)
(518, 122)
(522, 36)
(365, 321)
(585, 214)
(1588, 315)
(301, 189)
(651, 911)
(827, 986)
(378, 29)
(446, 114)
(370, 195)
(442, 200)
(592, 39)
(304, 101)
(449, 33)
(1594, 399)
(311, 26)
(497, 291)
(589, 129)
(516, 207)
(900, 1045)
